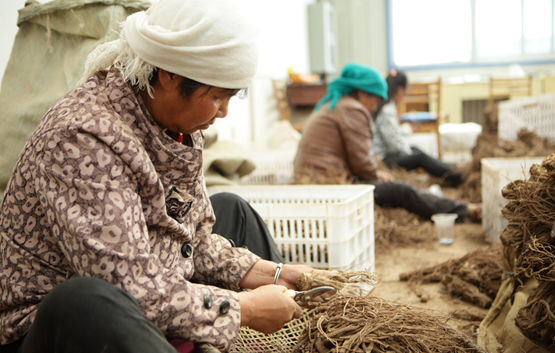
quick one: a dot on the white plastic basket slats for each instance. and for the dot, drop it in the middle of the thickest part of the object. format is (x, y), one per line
(324, 226)
(534, 113)
(496, 173)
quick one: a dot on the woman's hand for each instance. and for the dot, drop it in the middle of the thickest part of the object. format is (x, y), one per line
(263, 272)
(384, 176)
(291, 273)
(267, 308)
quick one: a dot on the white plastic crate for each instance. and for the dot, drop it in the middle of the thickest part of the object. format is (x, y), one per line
(324, 226)
(272, 167)
(457, 141)
(496, 173)
(457, 157)
(534, 113)
(426, 141)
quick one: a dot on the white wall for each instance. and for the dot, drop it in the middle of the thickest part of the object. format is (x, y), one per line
(283, 44)
(361, 32)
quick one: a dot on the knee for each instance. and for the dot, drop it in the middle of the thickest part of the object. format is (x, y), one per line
(401, 188)
(84, 287)
(227, 198)
(392, 193)
(419, 155)
(73, 293)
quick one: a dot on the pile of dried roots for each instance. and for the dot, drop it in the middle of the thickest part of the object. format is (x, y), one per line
(369, 324)
(418, 178)
(474, 278)
(398, 227)
(314, 177)
(531, 215)
(489, 145)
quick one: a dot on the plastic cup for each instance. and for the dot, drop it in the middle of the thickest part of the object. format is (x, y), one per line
(445, 224)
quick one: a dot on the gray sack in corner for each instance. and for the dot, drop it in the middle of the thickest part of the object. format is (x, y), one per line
(47, 61)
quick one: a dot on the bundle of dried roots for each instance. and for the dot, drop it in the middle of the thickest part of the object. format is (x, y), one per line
(488, 145)
(475, 277)
(345, 282)
(531, 215)
(536, 319)
(370, 324)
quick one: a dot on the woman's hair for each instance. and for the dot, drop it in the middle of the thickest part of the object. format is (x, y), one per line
(186, 86)
(118, 53)
(394, 80)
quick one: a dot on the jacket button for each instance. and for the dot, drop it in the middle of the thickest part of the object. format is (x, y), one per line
(186, 250)
(224, 307)
(208, 301)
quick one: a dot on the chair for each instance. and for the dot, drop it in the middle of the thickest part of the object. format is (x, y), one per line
(548, 85)
(506, 88)
(424, 97)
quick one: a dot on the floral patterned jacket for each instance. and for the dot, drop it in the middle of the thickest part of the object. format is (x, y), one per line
(100, 190)
(388, 137)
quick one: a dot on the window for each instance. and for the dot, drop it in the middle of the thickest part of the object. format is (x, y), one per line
(439, 33)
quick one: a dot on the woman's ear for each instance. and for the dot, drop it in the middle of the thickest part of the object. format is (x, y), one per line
(400, 93)
(168, 81)
(360, 95)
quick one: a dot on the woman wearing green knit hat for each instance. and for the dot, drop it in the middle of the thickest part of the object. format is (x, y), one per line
(354, 77)
(337, 140)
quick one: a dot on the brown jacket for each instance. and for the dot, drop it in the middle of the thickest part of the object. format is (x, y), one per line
(338, 141)
(100, 190)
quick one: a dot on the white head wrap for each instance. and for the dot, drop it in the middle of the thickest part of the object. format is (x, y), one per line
(209, 41)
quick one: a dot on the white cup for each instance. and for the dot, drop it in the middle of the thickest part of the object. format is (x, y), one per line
(445, 224)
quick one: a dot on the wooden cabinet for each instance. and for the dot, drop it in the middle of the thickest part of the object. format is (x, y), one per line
(305, 94)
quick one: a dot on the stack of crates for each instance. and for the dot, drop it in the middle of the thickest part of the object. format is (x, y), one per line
(323, 226)
(534, 113)
(496, 173)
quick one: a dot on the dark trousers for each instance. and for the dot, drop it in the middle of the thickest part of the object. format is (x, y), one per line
(415, 200)
(89, 315)
(86, 314)
(239, 222)
(419, 159)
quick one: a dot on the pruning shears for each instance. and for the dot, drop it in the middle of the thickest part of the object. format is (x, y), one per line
(303, 297)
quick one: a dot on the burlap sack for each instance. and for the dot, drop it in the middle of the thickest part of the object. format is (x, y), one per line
(47, 60)
(498, 332)
(225, 162)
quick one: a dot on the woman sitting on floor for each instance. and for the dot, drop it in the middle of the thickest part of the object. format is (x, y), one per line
(338, 138)
(389, 142)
